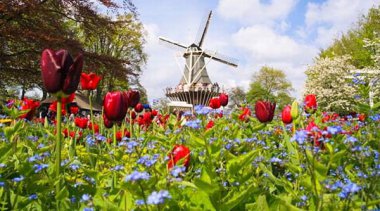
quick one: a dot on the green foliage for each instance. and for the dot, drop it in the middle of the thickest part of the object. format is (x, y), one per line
(270, 84)
(235, 165)
(352, 43)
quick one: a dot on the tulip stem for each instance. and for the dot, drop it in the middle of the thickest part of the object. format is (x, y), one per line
(114, 135)
(58, 148)
(91, 115)
(130, 125)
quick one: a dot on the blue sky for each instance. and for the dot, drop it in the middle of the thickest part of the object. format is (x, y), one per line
(285, 34)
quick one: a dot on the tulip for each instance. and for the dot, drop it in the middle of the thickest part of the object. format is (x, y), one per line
(31, 105)
(119, 135)
(139, 107)
(245, 115)
(179, 152)
(133, 97)
(294, 112)
(361, 117)
(60, 73)
(310, 104)
(223, 99)
(107, 122)
(68, 99)
(89, 81)
(115, 107)
(81, 122)
(286, 116)
(215, 103)
(74, 109)
(94, 127)
(210, 124)
(154, 112)
(264, 111)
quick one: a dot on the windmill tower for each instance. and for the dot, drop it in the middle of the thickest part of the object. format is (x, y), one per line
(195, 86)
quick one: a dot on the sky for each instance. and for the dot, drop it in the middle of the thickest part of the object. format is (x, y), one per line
(283, 34)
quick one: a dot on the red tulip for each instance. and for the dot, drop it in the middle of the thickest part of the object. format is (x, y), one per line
(31, 105)
(133, 97)
(154, 112)
(74, 109)
(245, 115)
(115, 107)
(81, 122)
(286, 116)
(53, 107)
(310, 104)
(179, 153)
(215, 103)
(89, 81)
(139, 107)
(96, 127)
(107, 122)
(210, 124)
(264, 111)
(119, 135)
(223, 99)
(60, 72)
(361, 117)
(68, 99)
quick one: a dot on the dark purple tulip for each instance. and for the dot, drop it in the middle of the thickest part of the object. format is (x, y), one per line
(264, 111)
(133, 97)
(60, 72)
(223, 97)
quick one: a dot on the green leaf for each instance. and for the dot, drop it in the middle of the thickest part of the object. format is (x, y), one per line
(238, 163)
(237, 198)
(63, 194)
(205, 183)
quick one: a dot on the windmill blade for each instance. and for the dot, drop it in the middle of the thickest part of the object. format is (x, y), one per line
(220, 58)
(171, 44)
(203, 30)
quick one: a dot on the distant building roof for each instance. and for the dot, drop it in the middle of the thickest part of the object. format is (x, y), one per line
(80, 99)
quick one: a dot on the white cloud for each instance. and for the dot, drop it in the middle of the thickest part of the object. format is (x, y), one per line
(265, 45)
(333, 17)
(254, 11)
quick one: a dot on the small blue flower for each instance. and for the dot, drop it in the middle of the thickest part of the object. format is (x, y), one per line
(196, 124)
(85, 197)
(136, 175)
(74, 166)
(334, 129)
(158, 197)
(90, 141)
(33, 138)
(304, 198)
(2, 184)
(348, 189)
(18, 179)
(2, 165)
(117, 168)
(140, 202)
(39, 167)
(275, 160)
(351, 140)
(33, 197)
(177, 170)
(100, 138)
(88, 209)
(300, 137)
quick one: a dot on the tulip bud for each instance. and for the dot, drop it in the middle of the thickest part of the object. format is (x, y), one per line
(215, 103)
(223, 99)
(139, 107)
(286, 116)
(133, 97)
(115, 106)
(264, 111)
(295, 110)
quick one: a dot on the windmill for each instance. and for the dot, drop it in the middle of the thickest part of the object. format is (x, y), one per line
(195, 86)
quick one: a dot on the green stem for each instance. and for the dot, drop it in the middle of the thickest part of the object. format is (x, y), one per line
(130, 124)
(58, 148)
(91, 115)
(114, 135)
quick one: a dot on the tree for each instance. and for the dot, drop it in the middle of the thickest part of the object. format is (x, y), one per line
(352, 43)
(327, 80)
(236, 96)
(270, 84)
(29, 26)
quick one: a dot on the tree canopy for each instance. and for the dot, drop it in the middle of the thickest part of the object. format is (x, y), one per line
(352, 43)
(270, 84)
(29, 26)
